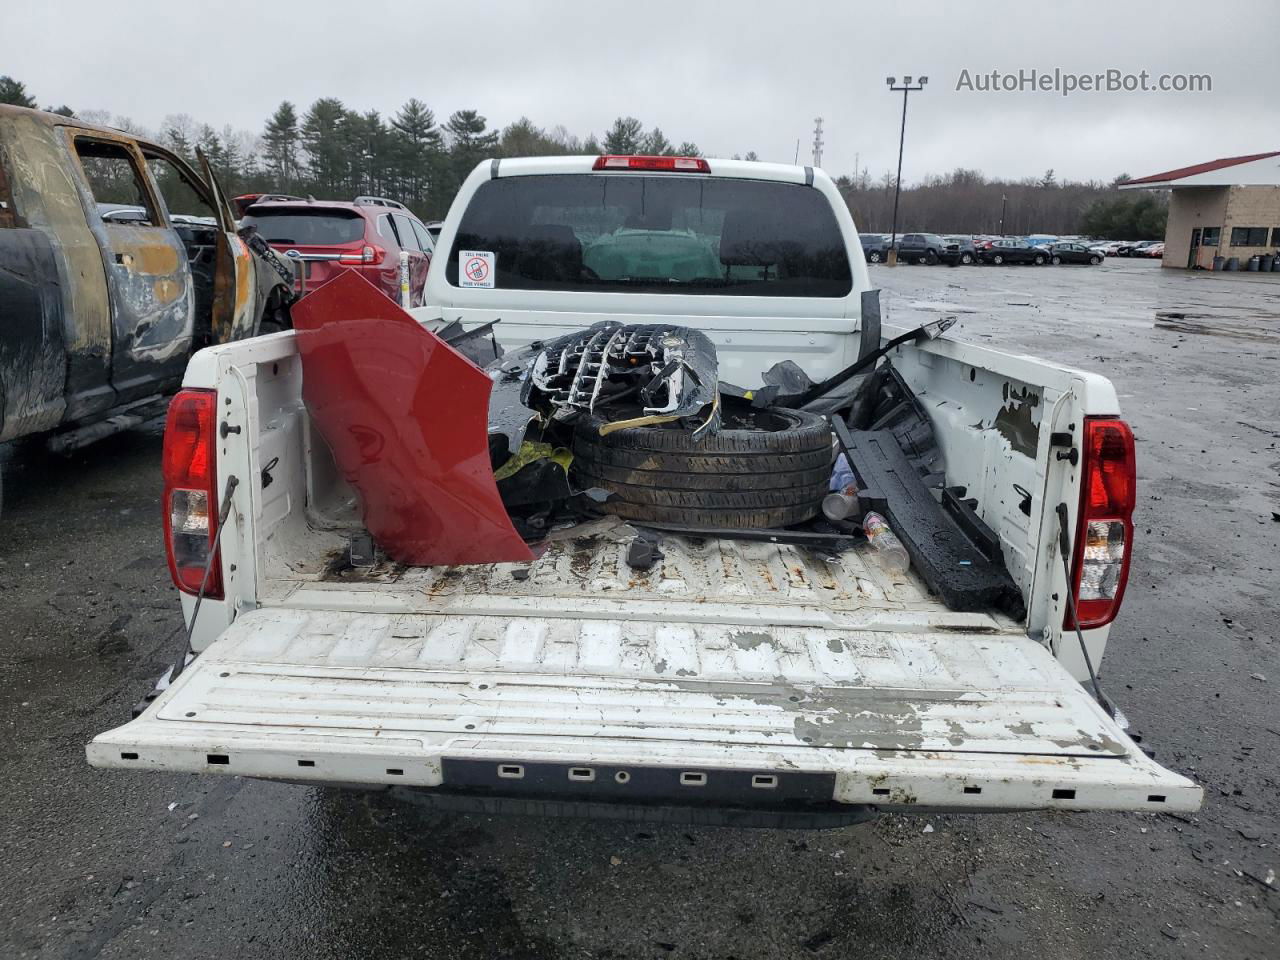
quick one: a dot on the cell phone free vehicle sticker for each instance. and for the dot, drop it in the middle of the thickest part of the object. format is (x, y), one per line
(475, 268)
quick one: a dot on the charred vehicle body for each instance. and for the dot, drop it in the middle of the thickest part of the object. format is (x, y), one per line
(102, 310)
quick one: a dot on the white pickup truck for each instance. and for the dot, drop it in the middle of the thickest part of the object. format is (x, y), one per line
(744, 682)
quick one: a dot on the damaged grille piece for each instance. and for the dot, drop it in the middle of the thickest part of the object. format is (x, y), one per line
(630, 375)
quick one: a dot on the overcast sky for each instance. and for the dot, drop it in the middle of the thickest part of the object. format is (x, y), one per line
(730, 76)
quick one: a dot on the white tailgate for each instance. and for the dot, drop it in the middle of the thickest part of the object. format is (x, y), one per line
(961, 720)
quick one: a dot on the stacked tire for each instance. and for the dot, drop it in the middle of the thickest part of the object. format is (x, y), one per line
(764, 469)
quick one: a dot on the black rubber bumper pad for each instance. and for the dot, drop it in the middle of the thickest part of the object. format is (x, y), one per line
(951, 564)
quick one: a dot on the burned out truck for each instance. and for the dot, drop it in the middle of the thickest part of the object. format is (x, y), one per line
(117, 262)
(366, 520)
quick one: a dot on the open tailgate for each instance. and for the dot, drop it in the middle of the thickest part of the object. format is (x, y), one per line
(895, 719)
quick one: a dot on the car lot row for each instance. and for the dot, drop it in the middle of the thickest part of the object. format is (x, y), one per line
(931, 248)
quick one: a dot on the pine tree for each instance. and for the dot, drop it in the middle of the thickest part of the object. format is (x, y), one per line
(469, 143)
(280, 141)
(416, 144)
(178, 134)
(626, 136)
(657, 145)
(687, 149)
(15, 92)
(231, 173)
(322, 138)
(211, 146)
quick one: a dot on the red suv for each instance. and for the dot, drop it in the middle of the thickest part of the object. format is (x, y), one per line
(330, 235)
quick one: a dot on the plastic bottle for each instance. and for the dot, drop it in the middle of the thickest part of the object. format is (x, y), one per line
(889, 549)
(841, 506)
(842, 502)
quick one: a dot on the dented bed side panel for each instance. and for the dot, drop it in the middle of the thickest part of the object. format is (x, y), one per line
(994, 415)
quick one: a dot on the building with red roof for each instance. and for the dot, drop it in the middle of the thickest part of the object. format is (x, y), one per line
(1221, 208)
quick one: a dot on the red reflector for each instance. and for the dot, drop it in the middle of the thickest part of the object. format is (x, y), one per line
(190, 502)
(1104, 528)
(673, 164)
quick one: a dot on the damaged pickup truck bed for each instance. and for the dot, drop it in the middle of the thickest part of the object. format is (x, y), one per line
(755, 681)
(117, 262)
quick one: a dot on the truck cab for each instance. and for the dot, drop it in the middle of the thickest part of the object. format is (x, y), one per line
(741, 680)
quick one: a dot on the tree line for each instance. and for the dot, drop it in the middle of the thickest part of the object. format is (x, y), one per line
(966, 202)
(331, 151)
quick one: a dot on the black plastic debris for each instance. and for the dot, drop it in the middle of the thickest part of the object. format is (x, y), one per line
(885, 402)
(952, 565)
(643, 551)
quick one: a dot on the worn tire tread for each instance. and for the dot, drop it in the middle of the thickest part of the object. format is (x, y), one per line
(733, 478)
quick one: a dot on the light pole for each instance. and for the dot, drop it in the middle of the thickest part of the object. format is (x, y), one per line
(906, 87)
(1003, 200)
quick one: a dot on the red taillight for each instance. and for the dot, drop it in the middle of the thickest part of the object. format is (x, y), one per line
(672, 164)
(369, 254)
(1104, 531)
(190, 495)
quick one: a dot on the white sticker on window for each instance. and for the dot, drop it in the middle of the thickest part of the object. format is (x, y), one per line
(475, 268)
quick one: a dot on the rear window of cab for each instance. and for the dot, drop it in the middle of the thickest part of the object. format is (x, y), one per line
(662, 233)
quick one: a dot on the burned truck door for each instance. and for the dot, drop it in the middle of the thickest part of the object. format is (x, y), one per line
(235, 313)
(193, 209)
(148, 279)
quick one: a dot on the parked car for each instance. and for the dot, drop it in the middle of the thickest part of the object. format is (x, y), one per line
(921, 248)
(1012, 250)
(118, 214)
(117, 262)
(328, 236)
(958, 250)
(433, 228)
(1073, 253)
(729, 691)
(243, 202)
(1134, 248)
(875, 247)
(1154, 252)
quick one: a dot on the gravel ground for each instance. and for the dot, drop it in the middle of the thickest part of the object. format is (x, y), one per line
(121, 865)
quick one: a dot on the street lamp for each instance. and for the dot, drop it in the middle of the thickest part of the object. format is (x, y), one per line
(1003, 201)
(906, 87)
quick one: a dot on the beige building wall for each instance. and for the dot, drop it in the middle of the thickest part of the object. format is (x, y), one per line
(1224, 207)
(1189, 208)
(1252, 207)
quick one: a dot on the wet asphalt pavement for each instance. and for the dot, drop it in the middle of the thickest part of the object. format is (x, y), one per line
(122, 865)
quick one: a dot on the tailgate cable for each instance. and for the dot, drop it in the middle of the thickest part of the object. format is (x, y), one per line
(223, 512)
(1064, 549)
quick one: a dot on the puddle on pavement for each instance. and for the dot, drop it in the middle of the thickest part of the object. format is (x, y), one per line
(938, 306)
(1209, 325)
